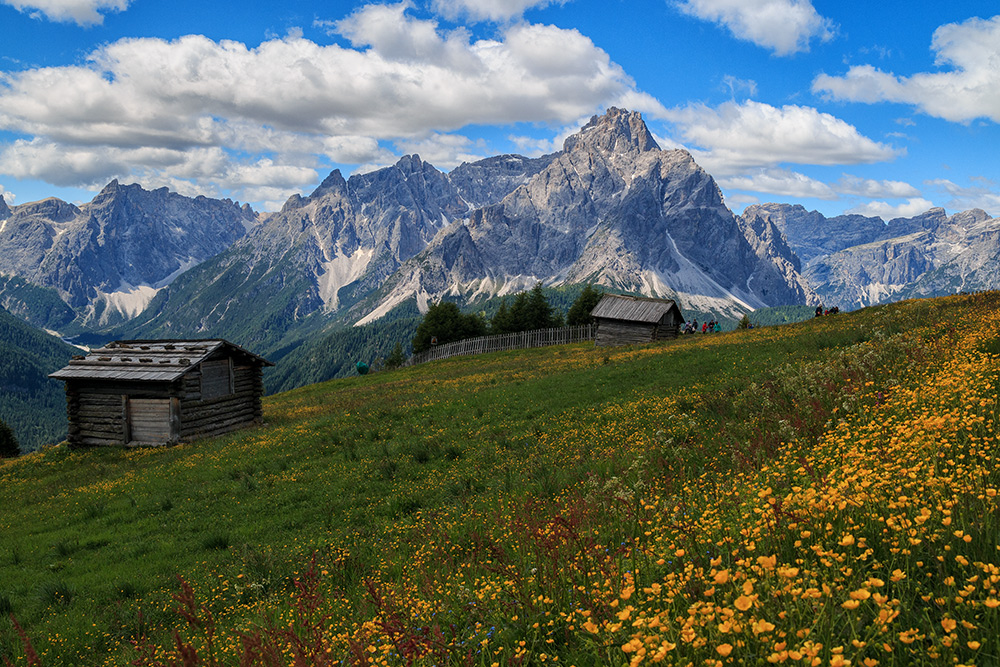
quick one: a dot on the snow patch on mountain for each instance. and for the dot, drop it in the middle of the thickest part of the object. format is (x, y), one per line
(128, 300)
(339, 272)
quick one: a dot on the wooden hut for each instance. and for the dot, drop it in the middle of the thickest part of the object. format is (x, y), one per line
(157, 392)
(627, 320)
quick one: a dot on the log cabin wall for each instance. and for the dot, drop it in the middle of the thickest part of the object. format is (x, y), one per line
(669, 327)
(98, 412)
(617, 332)
(205, 417)
(161, 392)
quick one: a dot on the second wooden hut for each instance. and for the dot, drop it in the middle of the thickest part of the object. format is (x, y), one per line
(628, 320)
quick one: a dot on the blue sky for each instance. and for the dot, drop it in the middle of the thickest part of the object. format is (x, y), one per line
(881, 108)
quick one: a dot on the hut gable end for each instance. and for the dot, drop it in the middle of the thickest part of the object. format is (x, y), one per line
(154, 392)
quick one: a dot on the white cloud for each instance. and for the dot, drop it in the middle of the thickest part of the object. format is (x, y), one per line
(780, 182)
(783, 26)
(968, 88)
(739, 201)
(735, 137)
(984, 194)
(444, 151)
(488, 10)
(291, 100)
(207, 171)
(887, 211)
(536, 146)
(82, 12)
(7, 196)
(866, 187)
(787, 183)
(736, 85)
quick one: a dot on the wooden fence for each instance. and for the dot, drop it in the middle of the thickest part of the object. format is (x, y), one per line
(512, 341)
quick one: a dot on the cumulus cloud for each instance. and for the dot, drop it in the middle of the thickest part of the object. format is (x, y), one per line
(488, 10)
(966, 89)
(194, 100)
(444, 151)
(867, 187)
(982, 193)
(536, 146)
(780, 182)
(207, 171)
(82, 12)
(732, 138)
(887, 211)
(783, 26)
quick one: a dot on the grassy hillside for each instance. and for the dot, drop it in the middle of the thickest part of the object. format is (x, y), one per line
(30, 403)
(817, 493)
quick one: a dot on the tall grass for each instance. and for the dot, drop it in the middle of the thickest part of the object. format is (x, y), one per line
(819, 493)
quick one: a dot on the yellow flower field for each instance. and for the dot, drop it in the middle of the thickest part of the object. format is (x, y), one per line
(817, 494)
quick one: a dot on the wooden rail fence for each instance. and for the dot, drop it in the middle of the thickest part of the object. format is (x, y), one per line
(512, 341)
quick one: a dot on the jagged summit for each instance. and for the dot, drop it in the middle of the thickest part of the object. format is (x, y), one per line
(333, 183)
(108, 258)
(617, 131)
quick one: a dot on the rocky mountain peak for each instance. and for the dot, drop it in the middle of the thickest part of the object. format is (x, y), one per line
(617, 131)
(53, 209)
(4, 209)
(967, 219)
(334, 183)
(410, 164)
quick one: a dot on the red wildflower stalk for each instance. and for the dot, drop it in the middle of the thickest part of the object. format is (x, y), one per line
(29, 650)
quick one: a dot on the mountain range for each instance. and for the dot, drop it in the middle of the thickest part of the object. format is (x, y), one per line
(854, 261)
(611, 207)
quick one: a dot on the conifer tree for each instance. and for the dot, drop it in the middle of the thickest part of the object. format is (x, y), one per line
(396, 357)
(579, 312)
(8, 443)
(538, 312)
(503, 320)
(446, 323)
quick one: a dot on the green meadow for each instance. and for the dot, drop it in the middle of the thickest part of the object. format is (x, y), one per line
(815, 493)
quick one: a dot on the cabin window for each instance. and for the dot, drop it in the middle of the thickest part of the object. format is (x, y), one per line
(216, 379)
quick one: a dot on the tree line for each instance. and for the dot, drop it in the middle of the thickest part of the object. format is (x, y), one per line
(444, 322)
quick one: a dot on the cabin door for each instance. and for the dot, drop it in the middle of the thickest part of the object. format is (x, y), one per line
(149, 420)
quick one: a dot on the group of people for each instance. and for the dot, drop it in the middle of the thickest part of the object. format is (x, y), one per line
(820, 311)
(706, 327)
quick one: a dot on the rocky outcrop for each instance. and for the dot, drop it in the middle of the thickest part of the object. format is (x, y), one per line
(810, 234)
(488, 181)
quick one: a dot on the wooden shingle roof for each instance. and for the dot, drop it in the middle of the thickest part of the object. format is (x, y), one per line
(632, 308)
(146, 360)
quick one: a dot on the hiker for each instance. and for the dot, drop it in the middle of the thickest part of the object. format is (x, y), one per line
(718, 327)
(704, 327)
(819, 311)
